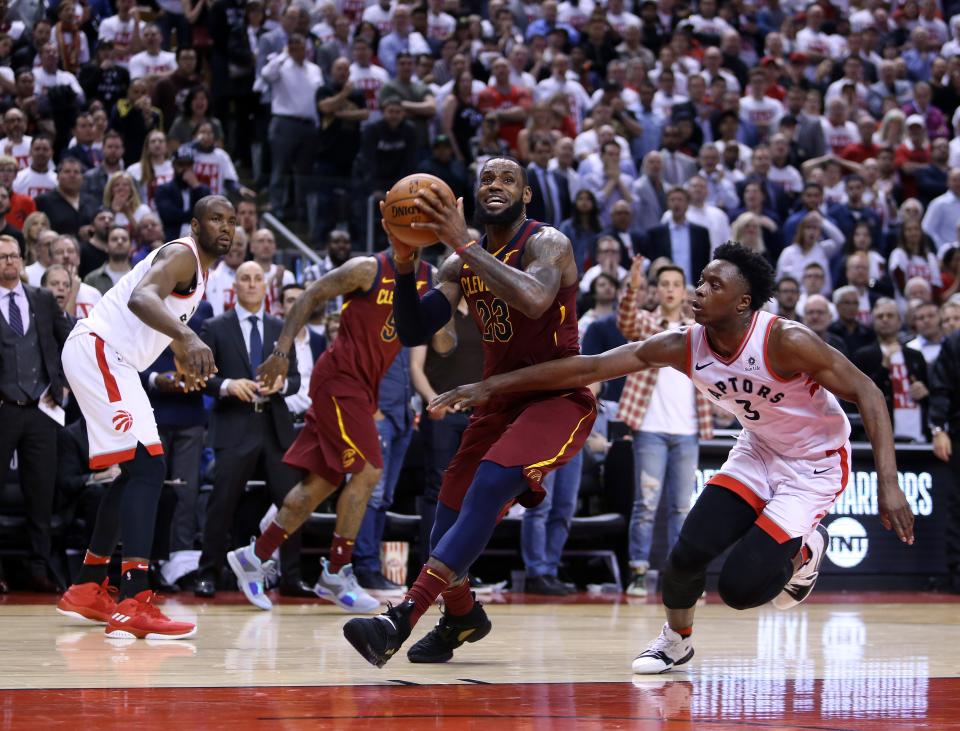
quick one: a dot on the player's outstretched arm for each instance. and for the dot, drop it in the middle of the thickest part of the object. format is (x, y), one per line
(531, 291)
(797, 349)
(352, 275)
(665, 349)
(175, 266)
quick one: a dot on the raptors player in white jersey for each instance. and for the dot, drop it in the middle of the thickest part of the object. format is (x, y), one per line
(146, 311)
(790, 463)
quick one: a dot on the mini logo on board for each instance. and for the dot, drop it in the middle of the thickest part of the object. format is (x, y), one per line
(348, 457)
(752, 364)
(848, 542)
(122, 421)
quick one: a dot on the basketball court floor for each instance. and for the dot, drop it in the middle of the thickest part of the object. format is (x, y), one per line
(840, 661)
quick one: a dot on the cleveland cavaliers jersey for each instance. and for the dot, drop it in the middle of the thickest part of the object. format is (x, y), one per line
(367, 341)
(112, 320)
(511, 340)
(795, 417)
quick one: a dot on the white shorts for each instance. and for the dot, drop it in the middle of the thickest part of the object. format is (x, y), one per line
(791, 495)
(118, 413)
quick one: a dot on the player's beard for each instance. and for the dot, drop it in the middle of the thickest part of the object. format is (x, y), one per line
(507, 215)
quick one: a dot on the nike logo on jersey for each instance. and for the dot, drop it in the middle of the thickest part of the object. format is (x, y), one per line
(820, 472)
(701, 367)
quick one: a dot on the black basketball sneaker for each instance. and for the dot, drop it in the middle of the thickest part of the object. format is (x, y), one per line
(451, 632)
(378, 638)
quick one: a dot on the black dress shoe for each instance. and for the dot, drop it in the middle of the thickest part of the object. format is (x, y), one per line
(376, 581)
(298, 589)
(205, 588)
(44, 585)
(544, 585)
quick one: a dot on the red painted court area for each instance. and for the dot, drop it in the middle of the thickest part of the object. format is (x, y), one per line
(655, 703)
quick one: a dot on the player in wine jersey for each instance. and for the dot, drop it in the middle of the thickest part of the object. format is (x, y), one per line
(789, 464)
(520, 283)
(340, 435)
(142, 314)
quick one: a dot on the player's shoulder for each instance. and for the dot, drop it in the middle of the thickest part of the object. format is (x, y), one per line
(550, 241)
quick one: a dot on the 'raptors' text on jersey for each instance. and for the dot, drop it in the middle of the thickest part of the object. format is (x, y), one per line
(794, 417)
(511, 340)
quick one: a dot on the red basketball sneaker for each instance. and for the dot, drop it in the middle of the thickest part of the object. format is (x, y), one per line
(139, 618)
(90, 602)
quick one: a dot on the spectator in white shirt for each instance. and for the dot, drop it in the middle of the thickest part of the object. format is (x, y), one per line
(293, 82)
(609, 183)
(380, 14)
(48, 75)
(704, 214)
(926, 323)
(38, 178)
(440, 25)
(808, 247)
(722, 192)
(943, 213)
(123, 29)
(263, 247)
(153, 60)
(559, 83)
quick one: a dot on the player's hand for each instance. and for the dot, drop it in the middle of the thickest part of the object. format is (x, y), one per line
(243, 389)
(445, 214)
(461, 398)
(401, 251)
(942, 446)
(268, 389)
(194, 361)
(895, 513)
(272, 370)
(168, 382)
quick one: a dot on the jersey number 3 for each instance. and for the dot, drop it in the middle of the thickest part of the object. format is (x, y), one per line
(749, 413)
(495, 316)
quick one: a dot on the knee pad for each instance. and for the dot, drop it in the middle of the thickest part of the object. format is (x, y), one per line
(684, 575)
(756, 570)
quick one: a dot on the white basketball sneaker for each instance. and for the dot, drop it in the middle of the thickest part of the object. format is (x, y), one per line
(252, 575)
(800, 586)
(342, 589)
(664, 653)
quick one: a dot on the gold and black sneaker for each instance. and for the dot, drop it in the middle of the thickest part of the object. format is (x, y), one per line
(378, 638)
(451, 632)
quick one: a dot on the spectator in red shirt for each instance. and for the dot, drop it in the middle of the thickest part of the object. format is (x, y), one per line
(865, 148)
(511, 103)
(913, 155)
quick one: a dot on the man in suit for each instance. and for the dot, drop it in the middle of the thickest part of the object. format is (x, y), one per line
(899, 372)
(250, 426)
(684, 243)
(622, 229)
(32, 333)
(807, 130)
(678, 167)
(550, 202)
(649, 193)
(175, 212)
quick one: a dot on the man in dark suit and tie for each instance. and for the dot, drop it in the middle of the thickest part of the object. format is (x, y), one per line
(685, 243)
(32, 333)
(250, 426)
(550, 201)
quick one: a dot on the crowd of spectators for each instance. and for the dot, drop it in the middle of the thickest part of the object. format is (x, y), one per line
(824, 135)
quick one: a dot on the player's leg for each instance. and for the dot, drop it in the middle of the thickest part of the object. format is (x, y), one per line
(719, 519)
(649, 468)
(337, 581)
(757, 569)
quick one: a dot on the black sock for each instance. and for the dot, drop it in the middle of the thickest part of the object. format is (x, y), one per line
(134, 577)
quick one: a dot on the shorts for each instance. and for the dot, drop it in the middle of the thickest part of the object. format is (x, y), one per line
(791, 495)
(116, 407)
(339, 436)
(539, 436)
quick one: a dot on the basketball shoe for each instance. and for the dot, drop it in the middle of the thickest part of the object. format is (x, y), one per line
(451, 632)
(378, 638)
(801, 584)
(664, 653)
(343, 590)
(139, 618)
(252, 574)
(90, 602)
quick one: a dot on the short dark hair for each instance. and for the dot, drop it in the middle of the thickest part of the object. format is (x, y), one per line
(287, 287)
(671, 268)
(754, 268)
(511, 158)
(603, 275)
(788, 278)
(69, 160)
(814, 265)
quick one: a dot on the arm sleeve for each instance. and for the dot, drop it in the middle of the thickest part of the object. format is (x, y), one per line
(418, 318)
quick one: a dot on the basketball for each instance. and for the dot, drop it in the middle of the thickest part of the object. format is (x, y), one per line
(400, 209)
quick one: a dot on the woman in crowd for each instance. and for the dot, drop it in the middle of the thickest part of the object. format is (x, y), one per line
(542, 121)
(914, 256)
(808, 247)
(36, 223)
(583, 227)
(121, 197)
(747, 230)
(154, 167)
(460, 118)
(195, 111)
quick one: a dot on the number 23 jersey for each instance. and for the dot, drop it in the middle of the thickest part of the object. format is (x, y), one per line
(795, 417)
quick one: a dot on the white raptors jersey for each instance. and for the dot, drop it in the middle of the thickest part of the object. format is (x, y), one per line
(795, 417)
(112, 320)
